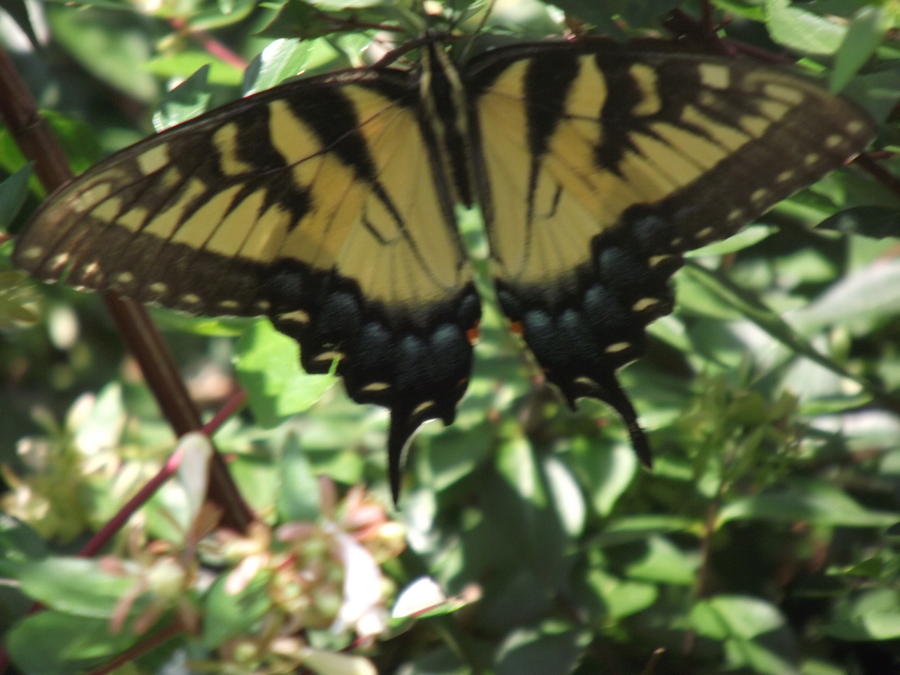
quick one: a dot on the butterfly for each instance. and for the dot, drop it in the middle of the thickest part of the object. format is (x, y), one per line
(328, 205)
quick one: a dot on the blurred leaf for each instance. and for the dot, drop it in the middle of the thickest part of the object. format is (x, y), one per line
(191, 61)
(739, 622)
(619, 597)
(77, 137)
(298, 489)
(187, 100)
(73, 585)
(110, 45)
(532, 518)
(224, 14)
(217, 327)
(879, 222)
(78, 643)
(609, 471)
(18, 541)
(861, 40)
(548, 649)
(333, 663)
(306, 20)
(424, 598)
(451, 454)
(664, 563)
(872, 615)
(193, 473)
(230, 613)
(813, 501)
(566, 496)
(802, 29)
(870, 294)
(13, 192)
(280, 60)
(747, 237)
(637, 527)
(18, 299)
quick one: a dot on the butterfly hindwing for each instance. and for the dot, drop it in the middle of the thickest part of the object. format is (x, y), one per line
(316, 203)
(605, 163)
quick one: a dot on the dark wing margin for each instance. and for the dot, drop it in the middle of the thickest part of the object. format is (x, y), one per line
(316, 203)
(626, 158)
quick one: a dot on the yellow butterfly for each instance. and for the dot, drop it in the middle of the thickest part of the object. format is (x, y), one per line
(328, 204)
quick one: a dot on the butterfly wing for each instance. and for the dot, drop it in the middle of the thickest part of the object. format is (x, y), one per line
(316, 203)
(605, 163)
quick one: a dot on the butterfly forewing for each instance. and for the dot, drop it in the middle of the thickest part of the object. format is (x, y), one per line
(600, 164)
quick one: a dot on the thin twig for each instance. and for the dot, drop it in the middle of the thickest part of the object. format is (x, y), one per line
(114, 524)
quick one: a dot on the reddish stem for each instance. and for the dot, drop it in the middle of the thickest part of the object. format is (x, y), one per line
(116, 523)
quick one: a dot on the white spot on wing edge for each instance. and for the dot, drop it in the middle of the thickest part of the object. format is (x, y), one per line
(644, 304)
(376, 386)
(297, 316)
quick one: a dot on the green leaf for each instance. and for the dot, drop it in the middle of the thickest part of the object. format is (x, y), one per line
(225, 13)
(565, 495)
(74, 586)
(193, 474)
(219, 327)
(637, 527)
(531, 516)
(179, 63)
(230, 613)
(79, 139)
(609, 470)
(424, 598)
(280, 60)
(547, 649)
(307, 20)
(879, 222)
(873, 615)
(53, 643)
(298, 489)
(745, 238)
(860, 42)
(619, 597)
(739, 622)
(813, 501)
(18, 541)
(801, 29)
(268, 367)
(450, 455)
(187, 100)
(869, 294)
(112, 45)
(665, 563)
(728, 293)
(13, 192)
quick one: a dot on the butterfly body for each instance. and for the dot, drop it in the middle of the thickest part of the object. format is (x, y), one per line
(328, 204)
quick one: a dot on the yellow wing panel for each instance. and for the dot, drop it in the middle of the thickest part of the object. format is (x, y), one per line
(633, 129)
(197, 193)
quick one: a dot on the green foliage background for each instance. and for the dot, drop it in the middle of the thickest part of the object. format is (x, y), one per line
(764, 540)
